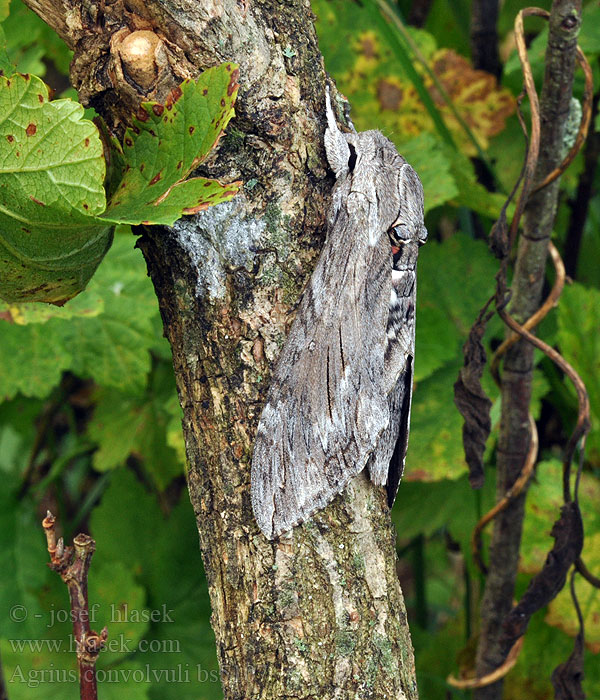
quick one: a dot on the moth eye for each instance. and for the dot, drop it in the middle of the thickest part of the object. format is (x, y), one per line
(352, 159)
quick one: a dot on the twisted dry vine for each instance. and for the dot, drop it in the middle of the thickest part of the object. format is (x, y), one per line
(503, 244)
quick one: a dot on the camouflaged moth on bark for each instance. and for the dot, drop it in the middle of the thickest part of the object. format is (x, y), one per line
(340, 395)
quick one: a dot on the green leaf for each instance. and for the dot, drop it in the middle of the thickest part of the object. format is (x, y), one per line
(87, 306)
(32, 45)
(5, 64)
(129, 527)
(125, 424)
(436, 658)
(32, 359)
(546, 647)
(44, 657)
(18, 429)
(118, 602)
(49, 245)
(579, 341)
(112, 347)
(471, 193)
(424, 508)
(561, 612)
(456, 278)
(167, 144)
(23, 554)
(543, 504)
(435, 450)
(52, 236)
(428, 157)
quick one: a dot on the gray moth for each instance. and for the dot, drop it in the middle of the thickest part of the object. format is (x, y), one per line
(340, 395)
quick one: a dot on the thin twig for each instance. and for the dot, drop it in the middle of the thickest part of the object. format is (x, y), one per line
(73, 563)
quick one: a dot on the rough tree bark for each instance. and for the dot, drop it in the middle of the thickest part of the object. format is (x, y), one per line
(528, 280)
(320, 613)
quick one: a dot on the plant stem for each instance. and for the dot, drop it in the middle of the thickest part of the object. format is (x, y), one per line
(484, 36)
(518, 366)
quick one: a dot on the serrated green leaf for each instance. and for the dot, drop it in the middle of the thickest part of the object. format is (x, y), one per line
(163, 148)
(35, 371)
(52, 236)
(49, 245)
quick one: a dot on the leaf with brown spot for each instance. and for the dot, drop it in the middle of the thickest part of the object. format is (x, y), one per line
(160, 145)
(68, 227)
(50, 242)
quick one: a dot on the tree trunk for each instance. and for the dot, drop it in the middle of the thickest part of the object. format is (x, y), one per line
(319, 613)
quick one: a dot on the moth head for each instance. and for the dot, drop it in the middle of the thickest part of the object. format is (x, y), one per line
(347, 152)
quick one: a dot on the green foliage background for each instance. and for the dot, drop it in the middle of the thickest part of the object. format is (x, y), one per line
(90, 423)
